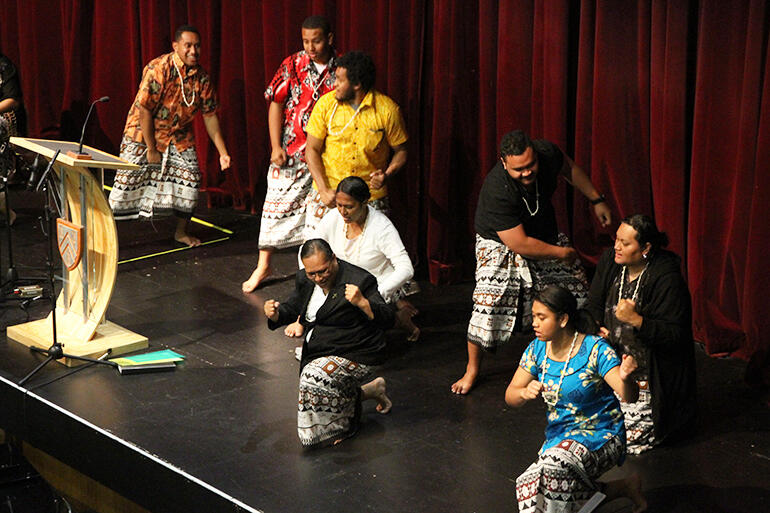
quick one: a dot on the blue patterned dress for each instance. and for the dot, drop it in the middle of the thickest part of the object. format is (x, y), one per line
(585, 435)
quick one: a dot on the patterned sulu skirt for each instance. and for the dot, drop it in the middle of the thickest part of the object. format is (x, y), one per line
(170, 187)
(565, 476)
(329, 404)
(506, 284)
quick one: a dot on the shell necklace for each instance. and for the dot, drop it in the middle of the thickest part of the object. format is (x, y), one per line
(623, 281)
(555, 393)
(334, 111)
(181, 83)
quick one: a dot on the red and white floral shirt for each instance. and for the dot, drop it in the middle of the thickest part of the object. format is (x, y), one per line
(298, 85)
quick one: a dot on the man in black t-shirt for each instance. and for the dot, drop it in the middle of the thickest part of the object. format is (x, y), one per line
(518, 245)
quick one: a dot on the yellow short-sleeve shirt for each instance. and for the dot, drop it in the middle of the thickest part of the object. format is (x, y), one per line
(357, 143)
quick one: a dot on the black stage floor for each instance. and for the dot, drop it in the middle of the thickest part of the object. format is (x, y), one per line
(219, 433)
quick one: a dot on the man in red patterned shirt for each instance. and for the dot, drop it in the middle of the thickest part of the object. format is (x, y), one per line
(300, 81)
(159, 137)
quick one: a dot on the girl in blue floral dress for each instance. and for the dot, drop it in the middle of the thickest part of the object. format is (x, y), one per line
(576, 375)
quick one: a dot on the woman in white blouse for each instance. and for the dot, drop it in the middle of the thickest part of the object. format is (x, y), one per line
(363, 236)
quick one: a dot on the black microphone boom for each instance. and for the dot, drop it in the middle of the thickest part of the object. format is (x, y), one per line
(47, 170)
(85, 123)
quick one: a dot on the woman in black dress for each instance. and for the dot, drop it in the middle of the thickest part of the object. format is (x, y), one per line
(641, 302)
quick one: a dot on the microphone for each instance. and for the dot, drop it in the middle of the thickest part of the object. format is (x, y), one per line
(34, 169)
(47, 170)
(85, 123)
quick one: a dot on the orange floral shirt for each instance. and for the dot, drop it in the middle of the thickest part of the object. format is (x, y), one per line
(161, 94)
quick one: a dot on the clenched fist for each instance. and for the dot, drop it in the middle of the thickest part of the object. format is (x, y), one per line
(626, 312)
(271, 309)
(353, 295)
(627, 366)
(328, 198)
(569, 255)
(533, 390)
(377, 179)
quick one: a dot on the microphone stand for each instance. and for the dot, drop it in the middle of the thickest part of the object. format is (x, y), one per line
(56, 351)
(12, 277)
(80, 155)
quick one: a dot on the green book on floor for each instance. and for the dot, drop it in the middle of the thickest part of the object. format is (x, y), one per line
(164, 356)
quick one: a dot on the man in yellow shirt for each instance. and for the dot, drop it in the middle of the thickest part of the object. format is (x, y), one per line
(353, 131)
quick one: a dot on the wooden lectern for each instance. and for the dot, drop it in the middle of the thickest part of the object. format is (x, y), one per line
(81, 327)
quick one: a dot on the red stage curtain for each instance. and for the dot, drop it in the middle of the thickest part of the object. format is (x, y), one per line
(666, 104)
(729, 181)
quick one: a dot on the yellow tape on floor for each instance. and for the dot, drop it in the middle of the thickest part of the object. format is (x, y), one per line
(171, 251)
(193, 219)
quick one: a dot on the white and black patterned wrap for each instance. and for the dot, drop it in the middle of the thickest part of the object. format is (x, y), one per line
(329, 402)
(506, 284)
(565, 476)
(155, 190)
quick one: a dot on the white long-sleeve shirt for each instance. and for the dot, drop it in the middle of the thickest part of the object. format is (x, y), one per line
(378, 249)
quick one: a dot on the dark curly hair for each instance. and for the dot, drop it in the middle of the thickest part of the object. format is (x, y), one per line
(360, 69)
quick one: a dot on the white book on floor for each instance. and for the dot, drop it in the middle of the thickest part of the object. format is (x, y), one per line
(592, 503)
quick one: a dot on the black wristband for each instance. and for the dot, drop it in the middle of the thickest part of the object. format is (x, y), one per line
(600, 199)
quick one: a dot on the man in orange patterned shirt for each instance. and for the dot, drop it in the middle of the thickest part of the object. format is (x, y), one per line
(159, 138)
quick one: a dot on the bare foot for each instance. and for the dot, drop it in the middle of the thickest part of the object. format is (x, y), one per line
(294, 330)
(186, 238)
(404, 316)
(384, 404)
(464, 384)
(407, 308)
(255, 279)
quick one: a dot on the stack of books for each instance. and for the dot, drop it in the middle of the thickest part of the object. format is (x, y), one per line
(148, 362)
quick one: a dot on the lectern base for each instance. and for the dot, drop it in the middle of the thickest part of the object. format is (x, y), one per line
(108, 336)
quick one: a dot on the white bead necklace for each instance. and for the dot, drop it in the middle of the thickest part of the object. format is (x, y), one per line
(181, 83)
(555, 393)
(329, 124)
(537, 200)
(623, 281)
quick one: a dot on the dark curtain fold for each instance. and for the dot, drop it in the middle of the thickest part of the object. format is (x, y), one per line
(666, 104)
(727, 234)
(612, 118)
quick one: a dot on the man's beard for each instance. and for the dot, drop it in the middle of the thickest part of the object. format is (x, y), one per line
(350, 95)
